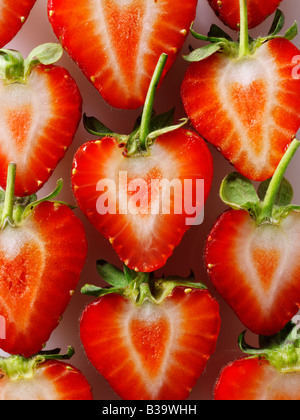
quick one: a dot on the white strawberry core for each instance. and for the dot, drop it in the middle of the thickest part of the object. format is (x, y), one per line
(249, 90)
(29, 103)
(268, 257)
(37, 388)
(140, 16)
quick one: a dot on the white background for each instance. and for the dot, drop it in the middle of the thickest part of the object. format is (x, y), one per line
(189, 255)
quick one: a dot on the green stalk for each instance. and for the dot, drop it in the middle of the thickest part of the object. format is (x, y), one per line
(148, 107)
(7, 215)
(244, 34)
(269, 200)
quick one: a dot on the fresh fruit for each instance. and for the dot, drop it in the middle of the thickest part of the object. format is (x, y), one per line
(252, 253)
(150, 339)
(243, 98)
(40, 111)
(143, 191)
(117, 44)
(268, 373)
(13, 16)
(229, 11)
(42, 377)
(42, 252)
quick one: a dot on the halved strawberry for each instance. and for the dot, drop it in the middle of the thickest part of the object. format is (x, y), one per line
(244, 99)
(150, 339)
(252, 253)
(40, 111)
(42, 377)
(42, 252)
(270, 373)
(117, 44)
(143, 191)
(13, 15)
(229, 11)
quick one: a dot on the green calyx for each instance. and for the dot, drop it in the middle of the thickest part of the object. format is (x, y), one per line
(271, 203)
(13, 210)
(220, 41)
(148, 126)
(15, 69)
(19, 367)
(136, 286)
(281, 350)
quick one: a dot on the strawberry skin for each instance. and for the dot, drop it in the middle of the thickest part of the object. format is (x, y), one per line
(39, 120)
(248, 109)
(229, 11)
(256, 269)
(41, 262)
(52, 380)
(117, 44)
(255, 379)
(143, 241)
(154, 352)
(13, 16)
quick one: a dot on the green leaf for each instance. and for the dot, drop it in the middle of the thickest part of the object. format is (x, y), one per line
(278, 23)
(285, 193)
(111, 274)
(153, 135)
(292, 32)
(95, 127)
(11, 65)
(91, 290)
(239, 193)
(216, 32)
(162, 120)
(45, 54)
(203, 52)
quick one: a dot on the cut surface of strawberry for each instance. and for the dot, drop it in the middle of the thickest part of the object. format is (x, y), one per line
(117, 44)
(13, 15)
(229, 11)
(270, 374)
(39, 117)
(38, 378)
(245, 100)
(155, 348)
(251, 253)
(145, 190)
(42, 252)
(143, 240)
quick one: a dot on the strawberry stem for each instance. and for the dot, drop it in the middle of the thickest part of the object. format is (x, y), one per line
(148, 107)
(7, 215)
(269, 200)
(244, 34)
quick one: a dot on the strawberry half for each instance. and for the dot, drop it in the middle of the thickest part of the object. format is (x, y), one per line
(42, 377)
(229, 11)
(121, 183)
(252, 253)
(13, 16)
(150, 339)
(40, 111)
(117, 44)
(244, 99)
(270, 373)
(42, 252)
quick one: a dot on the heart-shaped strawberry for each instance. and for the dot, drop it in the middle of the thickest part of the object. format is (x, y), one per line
(42, 252)
(149, 345)
(245, 99)
(145, 190)
(40, 111)
(13, 15)
(229, 11)
(252, 253)
(117, 43)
